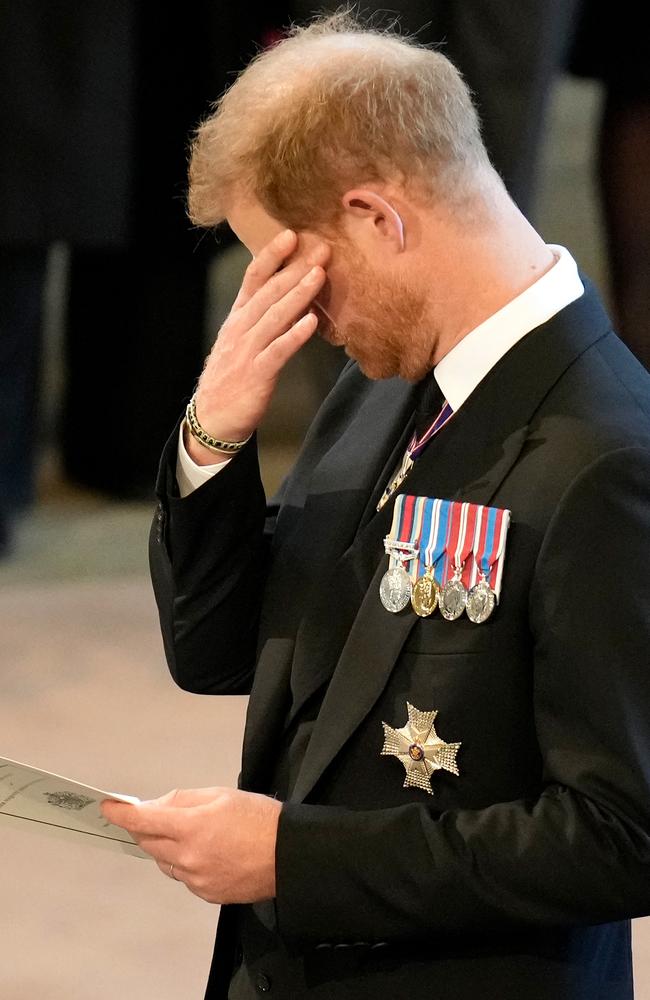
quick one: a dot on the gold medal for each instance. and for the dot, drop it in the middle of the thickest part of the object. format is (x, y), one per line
(424, 596)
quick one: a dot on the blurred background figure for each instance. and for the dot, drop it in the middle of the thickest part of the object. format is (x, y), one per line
(97, 103)
(613, 48)
(66, 74)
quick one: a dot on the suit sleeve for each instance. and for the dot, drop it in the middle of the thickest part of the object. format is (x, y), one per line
(578, 853)
(208, 555)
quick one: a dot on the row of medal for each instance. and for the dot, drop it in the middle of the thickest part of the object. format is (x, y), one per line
(444, 554)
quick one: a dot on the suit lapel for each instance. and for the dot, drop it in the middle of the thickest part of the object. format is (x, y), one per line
(468, 460)
(323, 504)
(376, 638)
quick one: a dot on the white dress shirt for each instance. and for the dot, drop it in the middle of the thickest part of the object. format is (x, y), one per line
(469, 361)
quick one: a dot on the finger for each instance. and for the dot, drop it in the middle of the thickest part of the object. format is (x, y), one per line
(158, 847)
(144, 818)
(262, 267)
(282, 289)
(280, 284)
(288, 310)
(179, 874)
(118, 813)
(274, 357)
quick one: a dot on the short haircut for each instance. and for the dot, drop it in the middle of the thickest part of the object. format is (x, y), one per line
(333, 105)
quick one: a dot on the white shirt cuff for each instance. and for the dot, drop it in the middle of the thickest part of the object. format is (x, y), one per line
(189, 475)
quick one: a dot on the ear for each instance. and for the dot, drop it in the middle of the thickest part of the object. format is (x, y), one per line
(369, 206)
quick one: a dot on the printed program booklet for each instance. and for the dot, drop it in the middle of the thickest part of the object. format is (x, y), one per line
(58, 806)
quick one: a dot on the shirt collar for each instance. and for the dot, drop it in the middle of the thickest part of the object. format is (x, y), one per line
(469, 361)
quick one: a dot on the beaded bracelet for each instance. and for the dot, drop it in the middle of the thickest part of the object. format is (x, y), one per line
(212, 444)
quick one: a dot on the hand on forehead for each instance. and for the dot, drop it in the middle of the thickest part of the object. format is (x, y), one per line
(306, 244)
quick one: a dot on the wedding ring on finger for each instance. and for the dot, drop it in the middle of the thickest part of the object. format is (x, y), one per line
(171, 873)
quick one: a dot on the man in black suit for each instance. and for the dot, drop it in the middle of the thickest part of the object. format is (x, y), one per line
(515, 877)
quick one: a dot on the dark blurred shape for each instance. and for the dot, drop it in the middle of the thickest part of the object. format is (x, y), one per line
(97, 104)
(22, 272)
(613, 47)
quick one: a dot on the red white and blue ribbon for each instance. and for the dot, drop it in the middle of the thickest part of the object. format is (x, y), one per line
(452, 538)
(403, 542)
(460, 540)
(434, 535)
(489, 549)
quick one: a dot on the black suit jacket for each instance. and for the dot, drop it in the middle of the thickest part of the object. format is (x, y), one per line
(516, 878)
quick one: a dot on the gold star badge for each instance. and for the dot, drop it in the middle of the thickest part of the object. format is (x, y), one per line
(420, 749)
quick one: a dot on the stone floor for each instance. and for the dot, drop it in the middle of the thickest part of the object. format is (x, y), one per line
(84, 691)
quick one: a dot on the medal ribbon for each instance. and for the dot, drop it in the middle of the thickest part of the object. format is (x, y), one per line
(430, 520)
(424, 529)
(414, 449)
(491, 531)
(461, 538)
(406, 529)
(484, 544)
(491, 545)
(437, 540)
(416, 534)
(417, 446)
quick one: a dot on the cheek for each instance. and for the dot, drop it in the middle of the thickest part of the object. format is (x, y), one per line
(336, 291)
(324, 297)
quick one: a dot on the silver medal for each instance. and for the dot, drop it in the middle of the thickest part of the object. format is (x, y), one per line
(480, 602)
(395, 589)
(452, 599)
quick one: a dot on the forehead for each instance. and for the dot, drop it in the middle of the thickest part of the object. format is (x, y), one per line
(252, 225)
(255, 228)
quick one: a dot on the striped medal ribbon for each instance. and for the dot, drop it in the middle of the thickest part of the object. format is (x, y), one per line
(426, 589)
(452, 599)
(414, 449)
(491, 531)
(401, 546)
(417, 446)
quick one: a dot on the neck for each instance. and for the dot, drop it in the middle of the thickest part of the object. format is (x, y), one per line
(476, 270)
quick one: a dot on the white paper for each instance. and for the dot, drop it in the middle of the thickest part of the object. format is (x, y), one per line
(59, 806)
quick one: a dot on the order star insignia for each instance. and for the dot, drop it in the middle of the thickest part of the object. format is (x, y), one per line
(420, 749)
